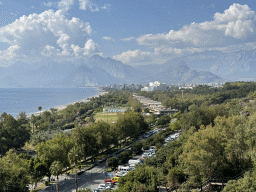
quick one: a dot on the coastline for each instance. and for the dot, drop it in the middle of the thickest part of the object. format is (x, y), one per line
(61, 107)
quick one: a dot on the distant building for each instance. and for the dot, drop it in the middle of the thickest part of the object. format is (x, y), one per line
(155, 86)
(168, 111)
(114, 109)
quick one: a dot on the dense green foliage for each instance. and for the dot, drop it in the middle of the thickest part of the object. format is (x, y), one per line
(13, 133)
(217, 140)
(112, 162)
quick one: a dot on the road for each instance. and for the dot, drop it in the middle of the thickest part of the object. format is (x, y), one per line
(89, 179)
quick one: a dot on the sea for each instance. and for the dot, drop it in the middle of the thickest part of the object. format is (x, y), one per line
(16, 100)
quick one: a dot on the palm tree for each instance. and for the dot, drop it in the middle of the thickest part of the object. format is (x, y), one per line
(74, 156)
(39, 109)
(56, 169)
(33, 121)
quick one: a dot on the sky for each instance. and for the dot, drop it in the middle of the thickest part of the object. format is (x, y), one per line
(136, 32)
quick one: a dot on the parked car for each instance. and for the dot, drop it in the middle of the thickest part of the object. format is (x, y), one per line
(109, 180)
(120, 174)
(109, 185)
(102, 186)
(115, 179)
(146, 155)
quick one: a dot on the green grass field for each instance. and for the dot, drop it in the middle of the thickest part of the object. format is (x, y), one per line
(107, 117)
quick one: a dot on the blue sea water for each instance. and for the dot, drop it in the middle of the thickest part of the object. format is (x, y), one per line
(15, 100)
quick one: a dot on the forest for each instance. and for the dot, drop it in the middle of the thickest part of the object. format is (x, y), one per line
(217, 140)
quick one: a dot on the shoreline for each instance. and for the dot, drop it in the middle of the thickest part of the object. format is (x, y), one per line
(61, 107)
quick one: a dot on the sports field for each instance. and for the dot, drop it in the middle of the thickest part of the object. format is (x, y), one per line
(107, 117)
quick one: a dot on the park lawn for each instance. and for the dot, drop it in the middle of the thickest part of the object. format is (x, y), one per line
(106, 117)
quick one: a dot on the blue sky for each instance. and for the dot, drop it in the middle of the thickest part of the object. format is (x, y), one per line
(134, 32)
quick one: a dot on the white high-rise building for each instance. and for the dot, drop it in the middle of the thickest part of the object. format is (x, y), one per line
(155, 86)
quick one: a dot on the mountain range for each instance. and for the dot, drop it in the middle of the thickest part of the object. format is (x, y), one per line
(233, 66)
(203, 67)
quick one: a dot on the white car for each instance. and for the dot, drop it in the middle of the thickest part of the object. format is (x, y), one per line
(102, 186)
(146, 155)
(108, 185)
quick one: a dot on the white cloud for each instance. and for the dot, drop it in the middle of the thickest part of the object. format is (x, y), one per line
(134, 57)
(127, 39)
(235, 25)
(105, 6)
(83, 4)
(88, 4)
(47, 34)
(49, 4)
(1, 3)
(65, 4)
(108, 39)
(232, 30)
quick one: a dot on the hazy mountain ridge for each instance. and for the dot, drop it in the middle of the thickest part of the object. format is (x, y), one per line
(98, 71)
(234, 66)
(95, 71)
(182, 73)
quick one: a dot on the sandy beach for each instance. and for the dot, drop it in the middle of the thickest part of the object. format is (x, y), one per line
(61, 107)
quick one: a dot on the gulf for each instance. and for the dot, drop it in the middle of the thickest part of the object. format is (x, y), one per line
(15, 100)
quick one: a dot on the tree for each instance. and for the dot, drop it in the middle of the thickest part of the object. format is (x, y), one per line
(22, 118)
(131, 125)
(146, 110)
(112, 162)
(141, 176)
(74, 157)
(85, 138)
(135, 104)
(3, 115)
(56, 149)
(136, 147)
(163, 120)
(39, 109)
(33, 121)
(124, 156)
(56, 169)
(14, 173)
(12, 134)
(152, 118)
(203, 154)
(103, 134)
(245, 184)
(37, 170)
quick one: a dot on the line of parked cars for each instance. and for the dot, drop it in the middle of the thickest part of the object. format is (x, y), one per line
(171, 138)
(150, 133)
(123, 170)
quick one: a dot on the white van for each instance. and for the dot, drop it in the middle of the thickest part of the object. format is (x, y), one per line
(125, 169)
